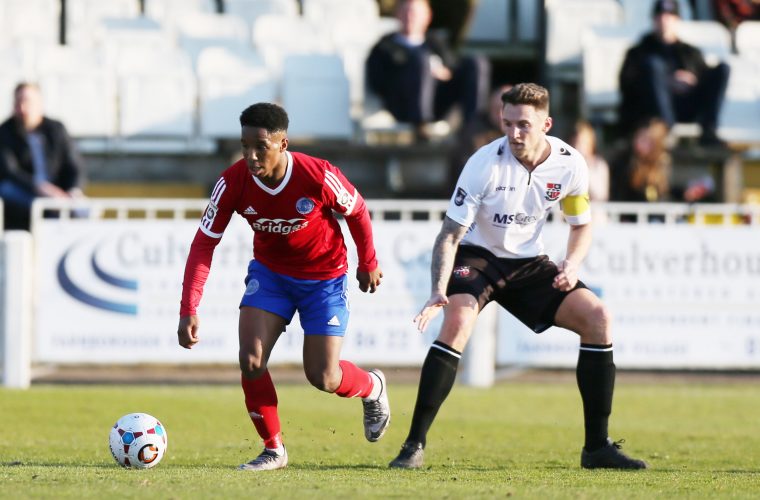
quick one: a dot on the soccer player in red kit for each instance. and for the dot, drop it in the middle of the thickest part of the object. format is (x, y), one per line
(299, 265)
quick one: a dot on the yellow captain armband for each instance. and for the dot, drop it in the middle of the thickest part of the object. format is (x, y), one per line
(577, 209)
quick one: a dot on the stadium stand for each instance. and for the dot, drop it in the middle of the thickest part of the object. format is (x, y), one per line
(169, 76)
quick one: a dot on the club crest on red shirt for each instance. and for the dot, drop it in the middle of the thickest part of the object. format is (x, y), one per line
(552, 191)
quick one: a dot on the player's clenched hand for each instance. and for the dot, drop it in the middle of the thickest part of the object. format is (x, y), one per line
(567, 276)
(187, 331)
(432, 307)
(369, 280)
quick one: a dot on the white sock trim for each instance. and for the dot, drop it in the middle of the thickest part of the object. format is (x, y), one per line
(377, 387)
(447, 351)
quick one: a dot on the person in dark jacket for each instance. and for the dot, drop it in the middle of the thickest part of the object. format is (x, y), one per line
(666, 78)
(418, 77)
(37, 158)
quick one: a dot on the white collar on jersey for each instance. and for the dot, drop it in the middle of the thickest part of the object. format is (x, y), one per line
(283, 183)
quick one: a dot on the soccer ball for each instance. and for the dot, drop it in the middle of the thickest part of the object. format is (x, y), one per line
(138, 440)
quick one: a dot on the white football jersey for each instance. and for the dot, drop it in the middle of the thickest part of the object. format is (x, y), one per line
(505, 206)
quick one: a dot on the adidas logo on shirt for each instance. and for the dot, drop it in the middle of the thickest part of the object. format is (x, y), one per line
(249, 211)
(334, 321)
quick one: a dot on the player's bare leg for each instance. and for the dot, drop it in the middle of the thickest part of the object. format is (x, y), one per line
(327, 372)
(584, 313)
(258, 332)
(437, 378)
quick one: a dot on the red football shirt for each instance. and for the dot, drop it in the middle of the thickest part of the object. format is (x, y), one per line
(295, 232)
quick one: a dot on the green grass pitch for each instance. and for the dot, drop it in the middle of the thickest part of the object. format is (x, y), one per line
(518, 439)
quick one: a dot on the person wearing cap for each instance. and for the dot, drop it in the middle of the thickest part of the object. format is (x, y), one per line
(666, 78)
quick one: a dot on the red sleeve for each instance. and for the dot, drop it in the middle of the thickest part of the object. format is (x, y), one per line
(340, 195)
(196, 272)
(213, 223)
(360, 226)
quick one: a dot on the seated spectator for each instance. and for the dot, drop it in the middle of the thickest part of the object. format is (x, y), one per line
(37, 158)
(481, 130)
(667, 78)
(417, 76)
(583, 138)
(641, 169)
(732, 12)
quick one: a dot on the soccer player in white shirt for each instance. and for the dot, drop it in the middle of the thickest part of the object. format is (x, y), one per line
(490, 249)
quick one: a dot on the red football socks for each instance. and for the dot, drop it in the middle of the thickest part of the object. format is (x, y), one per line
(355, 383)
(261, 402)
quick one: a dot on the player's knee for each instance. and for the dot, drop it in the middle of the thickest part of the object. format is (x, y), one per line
(323, 380)
(599, 324)
(251, 365)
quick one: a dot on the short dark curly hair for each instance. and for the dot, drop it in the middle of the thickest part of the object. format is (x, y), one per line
(266, 115)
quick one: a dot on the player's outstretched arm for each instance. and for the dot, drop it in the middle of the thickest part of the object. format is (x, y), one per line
(187, 331)
(369, 280)
(444, 251)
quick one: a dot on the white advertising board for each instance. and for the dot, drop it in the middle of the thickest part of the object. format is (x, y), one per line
(107, 291)
(681, 296)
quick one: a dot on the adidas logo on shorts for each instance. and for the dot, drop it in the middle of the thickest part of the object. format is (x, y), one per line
(334, 321)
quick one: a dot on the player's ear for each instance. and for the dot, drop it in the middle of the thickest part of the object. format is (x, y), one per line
(283, 143)
(548, 123)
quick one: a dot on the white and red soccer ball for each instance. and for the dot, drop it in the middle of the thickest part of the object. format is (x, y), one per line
(138, 440)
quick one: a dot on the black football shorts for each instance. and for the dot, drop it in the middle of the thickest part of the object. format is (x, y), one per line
(521, 286)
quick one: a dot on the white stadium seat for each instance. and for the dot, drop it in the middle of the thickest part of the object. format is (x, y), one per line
(79, 89)
(167, 12)
(83, 17)
(604, 49)
(316, 95)
(332, 12)
(229, 81)
(276, 36)
(30, 20)
(198, 30)
(711, 37)
(251, 10)
(157, 93)
(747, 39)
(566, 20)
(740, 114)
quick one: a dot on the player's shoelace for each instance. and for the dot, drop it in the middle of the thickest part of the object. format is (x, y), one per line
(264, 458)
(373, 411)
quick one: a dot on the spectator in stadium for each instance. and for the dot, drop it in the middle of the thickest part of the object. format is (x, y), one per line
(37, 158)
(483, 129)
(583, 138)
(732, 12)
(490, 248)
(642, 167)
(667, 78)
(288, 198)
(417, 76)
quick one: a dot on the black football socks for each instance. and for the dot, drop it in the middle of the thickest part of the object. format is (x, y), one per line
(436, 380)
(595, 374)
